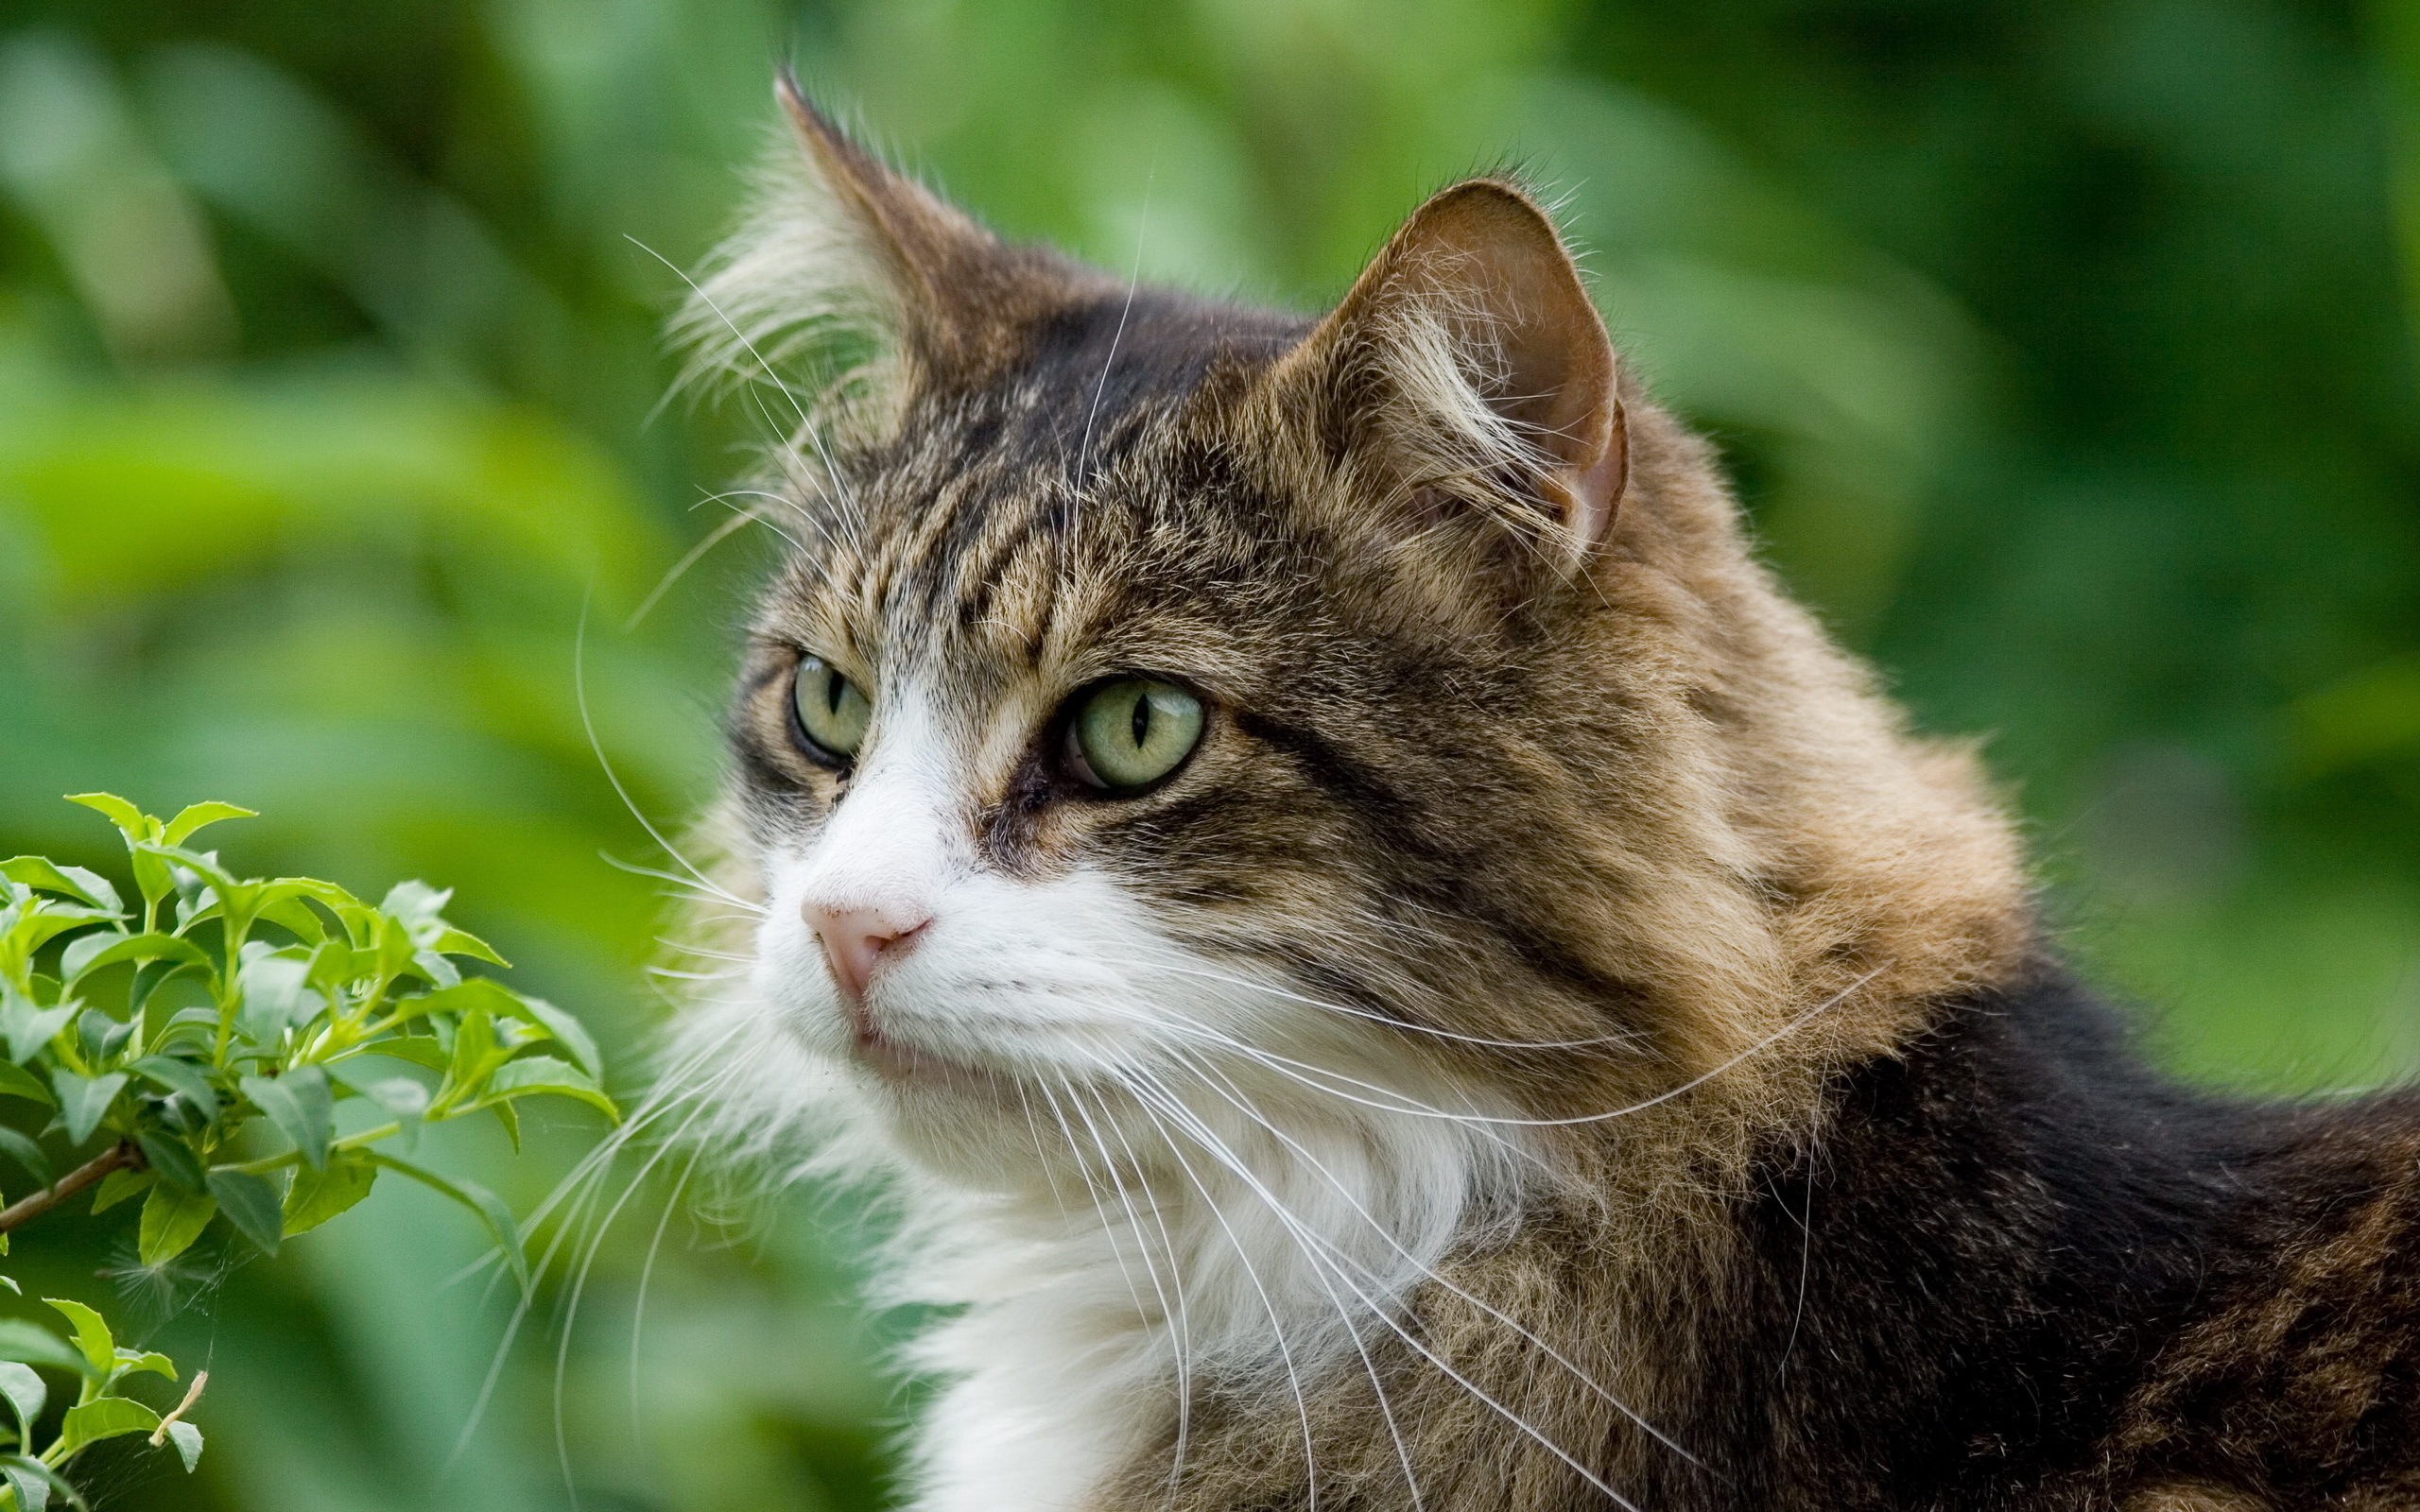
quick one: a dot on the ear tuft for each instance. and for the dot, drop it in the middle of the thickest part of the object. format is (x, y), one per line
(858, 273)
(1467, 360)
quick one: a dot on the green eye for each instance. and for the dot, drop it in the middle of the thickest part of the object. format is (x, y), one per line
(1132, 731)
(832, 713)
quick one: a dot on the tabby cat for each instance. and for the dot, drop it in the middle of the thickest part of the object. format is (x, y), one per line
(1389, 967)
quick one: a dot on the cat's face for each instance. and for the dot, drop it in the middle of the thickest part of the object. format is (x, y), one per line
(1140, 719)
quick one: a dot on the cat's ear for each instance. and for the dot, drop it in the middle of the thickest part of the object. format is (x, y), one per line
(1467, 365)
(942, 268)
(837, 243)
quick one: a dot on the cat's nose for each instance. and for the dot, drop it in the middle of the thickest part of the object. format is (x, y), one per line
(857, 940)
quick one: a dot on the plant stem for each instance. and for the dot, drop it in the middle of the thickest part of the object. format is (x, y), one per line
(350, 1141)
(193, 1394)
(124, 1154)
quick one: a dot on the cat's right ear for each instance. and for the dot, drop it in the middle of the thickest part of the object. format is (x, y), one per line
(938, 265)
(838, 244)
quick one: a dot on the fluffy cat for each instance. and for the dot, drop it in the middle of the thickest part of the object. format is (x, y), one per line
(1391, 968)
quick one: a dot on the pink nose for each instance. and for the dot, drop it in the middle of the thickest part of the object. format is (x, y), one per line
(856, 941)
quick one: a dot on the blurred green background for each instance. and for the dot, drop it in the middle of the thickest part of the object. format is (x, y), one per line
(2065, 352)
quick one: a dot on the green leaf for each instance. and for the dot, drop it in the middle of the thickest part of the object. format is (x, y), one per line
(15, 1081)
(326, 893)
(317, 1196)
(152, 947)
(532, 1075)
(179, 1076)
(398, 1098)
(26, 1397)
(36, 1345)
(173, 1218)
(489, 1206)
(568, 1031)
(84, 1100)
(81, 951)
(188, 1441)
(421, 1050)
(53, 1484)
(196, 815)
(420, 908)
(104, 1418)
(334, 963)
(151, 1360)
(22, 1149)
(119, 1185)
(460, 942)
(510, 1120)
(275, 995)
(296, 918)
(151, 877)
(475, 1054)
(25, 1478)
(172, 1158)
(29, 1028)
(300, 1104)
(153, 975)
(251, 1204)
(92, 1333)
(101, 1036)
(131, 822)
(204, 865)
(85, 886)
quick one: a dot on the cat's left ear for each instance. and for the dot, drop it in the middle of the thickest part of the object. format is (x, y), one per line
(1467, 364)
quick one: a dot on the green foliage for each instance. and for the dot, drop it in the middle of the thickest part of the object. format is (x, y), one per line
(2062, 350)
(182, 1026)
(34, 1472)
(211, 1014)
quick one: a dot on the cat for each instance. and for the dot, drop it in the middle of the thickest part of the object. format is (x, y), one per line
(1389, 967)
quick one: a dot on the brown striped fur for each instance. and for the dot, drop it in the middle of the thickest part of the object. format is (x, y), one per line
(1510, 735)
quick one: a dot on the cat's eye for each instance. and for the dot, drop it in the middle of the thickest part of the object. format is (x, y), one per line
(1129, 733)
(831, 714)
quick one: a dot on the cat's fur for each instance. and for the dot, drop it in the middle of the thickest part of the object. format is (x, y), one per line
(1559, 1044)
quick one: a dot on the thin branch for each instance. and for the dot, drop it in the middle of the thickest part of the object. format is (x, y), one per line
(193, 1394)
(124, 1155)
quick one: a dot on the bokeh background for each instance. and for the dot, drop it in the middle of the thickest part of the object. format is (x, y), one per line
(2063, 349)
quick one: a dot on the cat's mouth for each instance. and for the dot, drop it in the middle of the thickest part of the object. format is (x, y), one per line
(901, 1063)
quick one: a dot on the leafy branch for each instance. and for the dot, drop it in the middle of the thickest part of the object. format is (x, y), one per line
(195, 1048)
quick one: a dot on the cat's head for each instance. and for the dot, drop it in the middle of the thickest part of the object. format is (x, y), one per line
(1167, 702)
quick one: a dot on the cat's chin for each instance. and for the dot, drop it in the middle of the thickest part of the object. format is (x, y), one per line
(895, 1062)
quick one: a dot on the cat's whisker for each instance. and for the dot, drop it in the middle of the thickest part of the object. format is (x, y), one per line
(1304, 1235)
(1172, 1301)
(588, 725)
(693, 555)
(1360, 1348)
(672, 1202)
(586, 1177)
(1391, 1022)
(1268, 1305)
(688, 889)
(774, 498)
(1077, 484)
(1295, 1071)
(1083, 1169)
(807, 428)
(1411, 1107)
(1111, 1173)
(1049, 1167)
(1226, 1088)
(703, 953)
(595, 1241)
